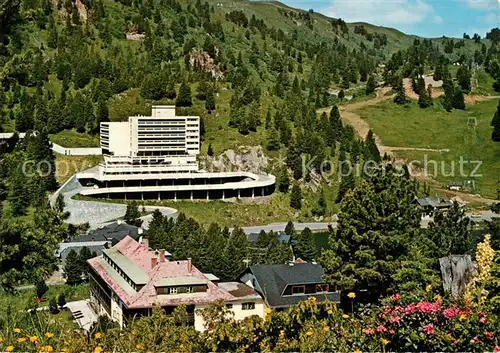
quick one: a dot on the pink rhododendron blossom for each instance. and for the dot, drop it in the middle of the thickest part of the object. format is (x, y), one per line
(381, 329)
(368, 331)
(483, 320)
(474, 340)
(450, 313)
(427, 307)
(394, 319)
(489, 335)
(496, 349)
(429, 329)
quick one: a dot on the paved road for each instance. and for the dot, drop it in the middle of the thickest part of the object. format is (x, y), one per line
(280, 227)
(96, 213)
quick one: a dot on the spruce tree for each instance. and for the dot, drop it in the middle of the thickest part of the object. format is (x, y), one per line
(283, 180)
(400, 97)
(273, 142)
(132, 214)
(210, 151)
(83, 256)
(306, 246)
(41, 288)
(210, 101)
(184, 96)
(495, 135)
(458, 99)
(370, 85)
(296, 197)
(72, 268)
(290, 229)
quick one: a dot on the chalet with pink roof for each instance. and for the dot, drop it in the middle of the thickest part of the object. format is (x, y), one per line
(129, 279)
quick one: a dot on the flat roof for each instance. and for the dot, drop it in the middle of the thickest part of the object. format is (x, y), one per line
(211, 277)
(134, 272)
(180, 281)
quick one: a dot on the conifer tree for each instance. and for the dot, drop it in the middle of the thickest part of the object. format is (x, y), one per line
(296, 197)
(283, 180)
(495, 135)
(273, 142)
(210, 101)
(370, 85)
(290, 229)
(306, 245)
(184, 96)
(132, 214)
(72, 268)
(210, 151)
(400, 92)
(458, 99)
(41, 288)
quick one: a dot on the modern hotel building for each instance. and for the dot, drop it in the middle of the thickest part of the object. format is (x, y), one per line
(154, 157)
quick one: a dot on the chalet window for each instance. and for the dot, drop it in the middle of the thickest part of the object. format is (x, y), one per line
(298, 290)
(172, 290)
(321, 288)
(229, 306)
(189, 289)
(248, 306)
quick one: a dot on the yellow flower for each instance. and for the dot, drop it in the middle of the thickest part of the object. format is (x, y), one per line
(1, 339)
(268, 310)
(462, 316)
(33, 338)
(351, 295)
(312, 299)
(48, 348)
(49, 334)
(9, 348)
(66, 350)
(326, 328)
(98, 335)
(17, 330)
(309, 333)
(139, 346)
(384, 341)
(357, 351)
(21, 339)
(428, 288)
(437, 298)
(345, 316)
(98, 349)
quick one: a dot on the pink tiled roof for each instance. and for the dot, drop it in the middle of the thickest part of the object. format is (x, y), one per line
(146, 296)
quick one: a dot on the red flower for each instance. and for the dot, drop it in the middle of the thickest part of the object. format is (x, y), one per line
(474, 340)
(368, 331)
(429, 329)
(381, 329)
(427, 307)
(391, 331)
(496, 349)
(394, 319)
(489, 335)
(483, 320)
(395, 297)
(450, 313)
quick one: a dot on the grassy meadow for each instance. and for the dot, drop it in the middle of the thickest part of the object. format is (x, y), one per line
(466, 134)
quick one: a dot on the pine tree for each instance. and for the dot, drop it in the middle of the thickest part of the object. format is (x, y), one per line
(373, 152)
(306, 246)
(283, 180)
(290, 229)
(184, 96)
(370, 85)
(72, 268)
(273, 142)
(153, 87)
(83, 256)
(495, 135)
(41, 288)
(210, 101)
(296, 197)
(210, 151)
(400, 92)
(458, 99)
(132, 214)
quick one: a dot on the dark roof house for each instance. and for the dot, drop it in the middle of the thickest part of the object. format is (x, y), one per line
(284, 285)
(99, 239)
(433, 202)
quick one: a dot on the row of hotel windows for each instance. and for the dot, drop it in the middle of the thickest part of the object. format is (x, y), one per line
(244, 306)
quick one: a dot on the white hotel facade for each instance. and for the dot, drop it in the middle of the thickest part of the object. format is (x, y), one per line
(154, 157)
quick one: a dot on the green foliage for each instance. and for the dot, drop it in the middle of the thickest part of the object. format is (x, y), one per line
(495, 135)
(41, 288)
(306, 245)
(375, 226)
(451, 233)
(296, 197)
(400, 97)
(184, 96)
(132, 214)
(72, 269)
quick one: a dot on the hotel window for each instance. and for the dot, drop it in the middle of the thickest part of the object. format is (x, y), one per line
(322, 288)
(229, 306)
(248, 306)
(189, 289)
(298, 290)
(172, 290)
